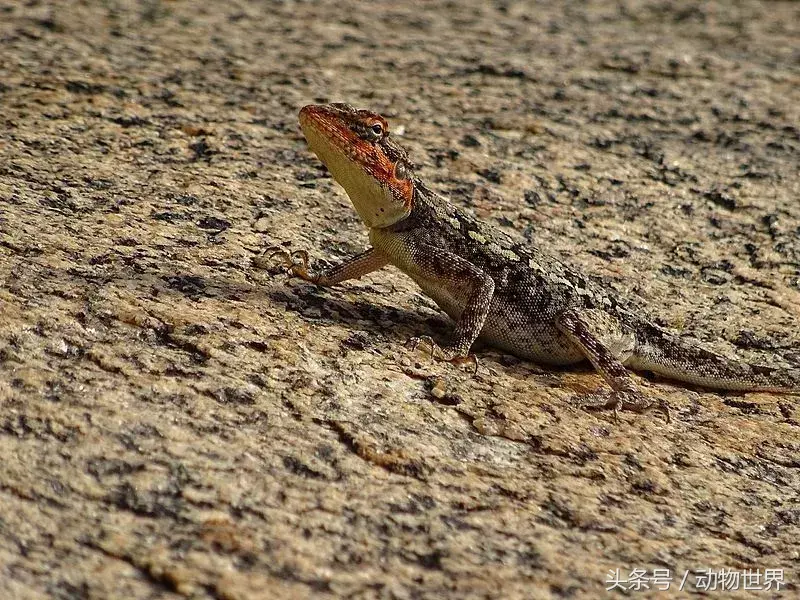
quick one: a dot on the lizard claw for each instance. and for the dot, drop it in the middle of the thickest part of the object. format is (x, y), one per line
(446, 354)
(469, 358)
(289, 260)
(414, 343)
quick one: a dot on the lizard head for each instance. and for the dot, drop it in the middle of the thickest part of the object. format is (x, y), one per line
(355, 146)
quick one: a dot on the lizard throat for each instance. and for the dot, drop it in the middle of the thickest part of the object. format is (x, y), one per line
(361, 170)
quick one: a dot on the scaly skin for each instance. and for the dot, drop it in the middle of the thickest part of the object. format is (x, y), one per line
(514, 297)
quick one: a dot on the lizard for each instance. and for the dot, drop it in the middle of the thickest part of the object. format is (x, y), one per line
(513, 296)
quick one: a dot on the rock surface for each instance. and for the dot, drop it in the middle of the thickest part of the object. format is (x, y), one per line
(175, 422)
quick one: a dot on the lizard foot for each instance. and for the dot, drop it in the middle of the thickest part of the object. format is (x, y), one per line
(296, 263)
(624, 400)
(446, 353)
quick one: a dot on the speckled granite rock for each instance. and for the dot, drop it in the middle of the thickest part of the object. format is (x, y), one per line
(175, 422)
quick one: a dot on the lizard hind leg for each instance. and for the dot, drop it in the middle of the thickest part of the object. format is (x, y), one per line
(604, 342)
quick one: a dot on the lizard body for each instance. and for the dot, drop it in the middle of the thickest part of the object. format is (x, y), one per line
(510, 295)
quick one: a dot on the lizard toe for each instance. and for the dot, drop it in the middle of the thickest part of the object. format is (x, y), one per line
(623, 400)
(423, 340)
(443, 353)
(295, 263)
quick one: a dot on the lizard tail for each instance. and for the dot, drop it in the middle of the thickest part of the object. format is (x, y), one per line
(669, 356)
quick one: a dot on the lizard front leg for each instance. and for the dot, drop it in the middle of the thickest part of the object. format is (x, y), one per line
(460, 287)
(605, 346)
(351, 268)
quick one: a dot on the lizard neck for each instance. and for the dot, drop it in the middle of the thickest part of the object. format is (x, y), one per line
(420, 210)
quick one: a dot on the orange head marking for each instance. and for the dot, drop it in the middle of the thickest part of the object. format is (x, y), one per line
(356, 147)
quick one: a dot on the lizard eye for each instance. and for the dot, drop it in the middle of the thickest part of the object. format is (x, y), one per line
(401, 170)
(375, 132)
